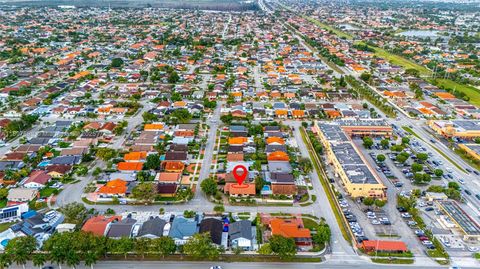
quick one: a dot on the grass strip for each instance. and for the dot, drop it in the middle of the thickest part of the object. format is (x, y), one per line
(392, 261)
(326, 186)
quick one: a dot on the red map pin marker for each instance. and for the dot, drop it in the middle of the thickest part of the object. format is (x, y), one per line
(240, 177)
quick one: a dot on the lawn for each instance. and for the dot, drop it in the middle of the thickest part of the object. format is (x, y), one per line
(401, 61)
(5, 226)
(327, 27)
(471, 92)
(310, 224)
(47, 191)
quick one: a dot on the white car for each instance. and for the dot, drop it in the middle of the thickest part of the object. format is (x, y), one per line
(375, 222)
(406, 215)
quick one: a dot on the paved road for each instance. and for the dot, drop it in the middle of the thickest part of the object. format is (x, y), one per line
(206, 265)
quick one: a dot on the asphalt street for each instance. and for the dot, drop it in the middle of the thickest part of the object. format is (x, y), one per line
(206, 265)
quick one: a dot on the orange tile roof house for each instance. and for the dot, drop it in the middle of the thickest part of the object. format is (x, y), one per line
(114, 187)
(172, 166)
(153, 127)
(237, 140)
(278, 156)
(168, 177)
(99, 224)
(298, 114)
(233, 189)
(135, 156)
(292, 228)
(130, 166)
(275, 141)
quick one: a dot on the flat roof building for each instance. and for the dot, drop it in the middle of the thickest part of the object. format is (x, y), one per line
(466, 129)
(469, 227)
(357, 176)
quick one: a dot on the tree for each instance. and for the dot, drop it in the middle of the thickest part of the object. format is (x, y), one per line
(152, 162)
(142, 245)
(219, 209)
(173, 77)
(416, 167)
(368, 201)
(380, 203)
(305, 164)
(180, 116)
(74, 212)
(209, 186)
(200, 246)
(401, 158)
(72, 258)
(91, 258)
(81, 170)
(453, 185)
(149, 117)
(422, 157)
(3, 193)
(282, 246)
(124, 245)
(5, 260)
(164, 245)
(438, 172)
(265, 249)
(39, 260)
(381, 158)
(144, 192)
(385, 143)
(365, 76)
(21, 249)
(367, 142)
(405, 140)
(323, 234)
(117, 62)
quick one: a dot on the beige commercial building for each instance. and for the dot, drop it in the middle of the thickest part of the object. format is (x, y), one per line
(357, 176)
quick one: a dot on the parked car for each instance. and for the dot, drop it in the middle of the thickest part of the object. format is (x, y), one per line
(429, 208)
(406, 215)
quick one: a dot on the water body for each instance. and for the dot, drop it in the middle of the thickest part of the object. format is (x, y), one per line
(420, 33)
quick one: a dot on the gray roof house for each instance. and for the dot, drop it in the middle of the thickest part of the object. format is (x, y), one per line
(182, 229)
(152, 228)
(279, 167)
(121, 228)
(240, 235)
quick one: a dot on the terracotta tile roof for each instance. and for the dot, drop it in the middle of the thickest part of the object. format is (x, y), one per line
(98, 224)
(290, 228)
(130, 166)
(168, 177)
(234, 157)
(116, 186)
(135, 156)
(237, 140)
(173, 166)
(153, 126)
(244, 189)
(275, 140)
(278, 156)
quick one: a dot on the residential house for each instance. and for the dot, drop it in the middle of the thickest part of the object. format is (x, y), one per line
(214, 227)
(98, 225)
(240, 235)
(152, 228)
(182, 229)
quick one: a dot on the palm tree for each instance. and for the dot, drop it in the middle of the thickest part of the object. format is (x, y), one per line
(72, 258)
(91, 258)
(5, 260)
(39, 260)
